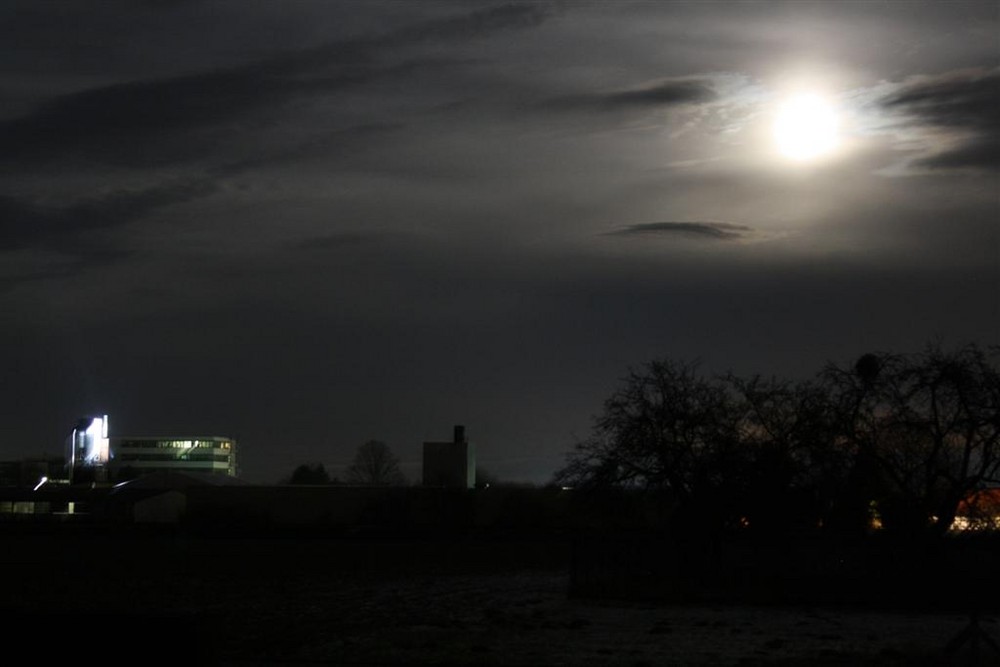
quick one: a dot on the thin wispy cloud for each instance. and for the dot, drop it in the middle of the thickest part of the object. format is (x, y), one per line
(711, 231)
(335, 241)
(156, 122)
(347, 141)
(661, 94)
(25, 223)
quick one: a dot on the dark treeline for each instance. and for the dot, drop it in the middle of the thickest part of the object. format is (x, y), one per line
(893, 441)
(841, 488)
(374, 464)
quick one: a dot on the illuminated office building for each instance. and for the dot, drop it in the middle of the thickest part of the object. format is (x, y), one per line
(133, 456)
(93, 454)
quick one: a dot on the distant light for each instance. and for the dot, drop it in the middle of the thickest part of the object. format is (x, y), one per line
(565, 488)
(40, 482)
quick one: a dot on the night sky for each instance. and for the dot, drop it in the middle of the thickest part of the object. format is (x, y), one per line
(307, 224)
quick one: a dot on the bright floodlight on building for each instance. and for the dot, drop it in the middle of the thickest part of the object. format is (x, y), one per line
(40, 482)
(89, 443)
(95, 443)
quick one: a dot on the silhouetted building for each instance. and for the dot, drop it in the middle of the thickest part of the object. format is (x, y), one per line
(161, 497)
(134, 456)
(31, 472)
(450, 464)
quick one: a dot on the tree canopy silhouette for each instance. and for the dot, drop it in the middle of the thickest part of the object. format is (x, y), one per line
(310, 473)
(375, 465)
(925, 429)
(666, 427)
(897, 439)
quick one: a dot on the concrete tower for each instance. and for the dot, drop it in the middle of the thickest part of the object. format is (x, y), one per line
(450, 464)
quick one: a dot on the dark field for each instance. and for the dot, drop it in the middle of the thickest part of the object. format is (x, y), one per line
(173, 598)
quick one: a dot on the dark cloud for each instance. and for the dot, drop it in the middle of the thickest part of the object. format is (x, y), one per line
(480, 23)
(160, 121)
(15, 273)
(966, 103)
(979, 153)
(29, 224)
(721, 231)
(341, 143)
(669, 93)
(334, 241)
(132, 123)
(968, 99)
(151, 123)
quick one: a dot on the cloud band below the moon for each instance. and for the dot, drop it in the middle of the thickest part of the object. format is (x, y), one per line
(713, 231)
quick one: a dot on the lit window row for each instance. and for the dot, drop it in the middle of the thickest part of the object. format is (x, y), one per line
(174, 444)
(223, 458)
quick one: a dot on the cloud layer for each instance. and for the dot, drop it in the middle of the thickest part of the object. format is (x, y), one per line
(660, 94)
(965, 105)
(150, 123)
(715, 231)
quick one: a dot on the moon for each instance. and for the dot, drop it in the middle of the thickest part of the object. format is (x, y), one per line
(805, 128)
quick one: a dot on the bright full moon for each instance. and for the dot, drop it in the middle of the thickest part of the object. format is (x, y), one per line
(805, 128)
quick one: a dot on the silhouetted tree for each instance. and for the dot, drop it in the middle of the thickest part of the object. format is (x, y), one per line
(375, 465)
(908, 437)
(924, 430)
(310, 473)
(789, 452)
(667, 429)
